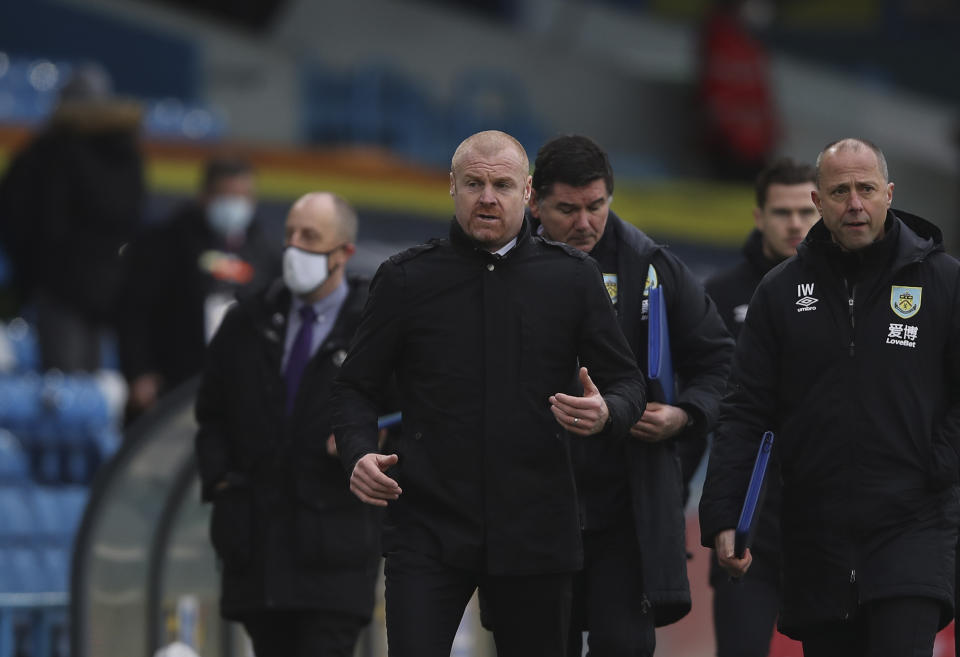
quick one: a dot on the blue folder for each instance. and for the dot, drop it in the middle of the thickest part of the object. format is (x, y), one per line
(754, 500)
(659, 361)
(389, 420)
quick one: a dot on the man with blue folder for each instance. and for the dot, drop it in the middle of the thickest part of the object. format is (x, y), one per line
(850, 352)
(745, 609)
(631, 491)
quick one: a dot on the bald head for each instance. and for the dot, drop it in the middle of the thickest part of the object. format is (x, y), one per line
(852, 145)
(320, 224)
(329, 210)
(487, 144)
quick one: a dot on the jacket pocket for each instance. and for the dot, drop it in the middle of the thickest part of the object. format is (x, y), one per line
(336, 537)
(231, 526)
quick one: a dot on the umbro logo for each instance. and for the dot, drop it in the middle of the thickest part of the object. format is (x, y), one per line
(806, 301)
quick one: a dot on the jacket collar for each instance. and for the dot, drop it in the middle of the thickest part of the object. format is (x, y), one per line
(468, 246)
(907, 238)
(753, 253)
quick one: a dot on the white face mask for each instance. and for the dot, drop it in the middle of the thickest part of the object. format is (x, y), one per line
(229, 216)
(304, 271)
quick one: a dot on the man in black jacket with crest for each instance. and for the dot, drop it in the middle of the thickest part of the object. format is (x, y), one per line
(850, 353)
(631, 490)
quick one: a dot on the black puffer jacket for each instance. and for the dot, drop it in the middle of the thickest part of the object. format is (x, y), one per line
(288, 530)
(854, 361)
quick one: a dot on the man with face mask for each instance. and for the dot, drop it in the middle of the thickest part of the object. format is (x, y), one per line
(181, 276)
(299, 552)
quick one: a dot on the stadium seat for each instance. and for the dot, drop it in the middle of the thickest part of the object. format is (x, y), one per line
(19, 401)
(14, 462)
(17, 518)
(22, 338)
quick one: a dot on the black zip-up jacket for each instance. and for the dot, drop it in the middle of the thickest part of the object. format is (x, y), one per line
(854, 361)
(702, 350)
(288, 531)
(478, 343)
(732, 289)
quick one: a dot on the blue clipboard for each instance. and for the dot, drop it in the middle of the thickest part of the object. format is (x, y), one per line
(659, 360)
(754, 500)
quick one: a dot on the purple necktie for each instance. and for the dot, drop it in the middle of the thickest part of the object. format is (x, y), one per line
(299, 354)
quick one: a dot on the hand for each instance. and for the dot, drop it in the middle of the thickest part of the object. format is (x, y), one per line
(724, 543)
(332, 445)
(585, 415)
(659, 422)
(368, 481)
(144, 391)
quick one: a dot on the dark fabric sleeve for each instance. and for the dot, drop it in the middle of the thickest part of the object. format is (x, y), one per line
(747, 410)
(606, 354)
(700, 344)
(212, 408)
(139, 297)
(946, 434)
(19, 227)
(365, 380)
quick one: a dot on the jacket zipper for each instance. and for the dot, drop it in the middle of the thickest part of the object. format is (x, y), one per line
(850, 308)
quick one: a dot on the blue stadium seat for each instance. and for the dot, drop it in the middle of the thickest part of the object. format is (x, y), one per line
(485, 99)
(25, 573)
(58, 511)
(76, 402)
(14, 462)
(172, 118)
(19, 401)
(54, 561)
(17, 518)
(23, 340)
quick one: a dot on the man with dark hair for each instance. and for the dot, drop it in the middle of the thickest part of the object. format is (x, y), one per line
(487, 332)
(745, 611)
(299, 554)
(631, 491)
(783, 215)
(850, 353)
(182, 275)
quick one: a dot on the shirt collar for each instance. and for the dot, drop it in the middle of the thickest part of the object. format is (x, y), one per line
(330, 302)
(505, 249)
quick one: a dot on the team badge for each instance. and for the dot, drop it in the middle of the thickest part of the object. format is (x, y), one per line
(339, 356)
(905, 300)
(651, 280)
(610, 282)
(645, 302)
